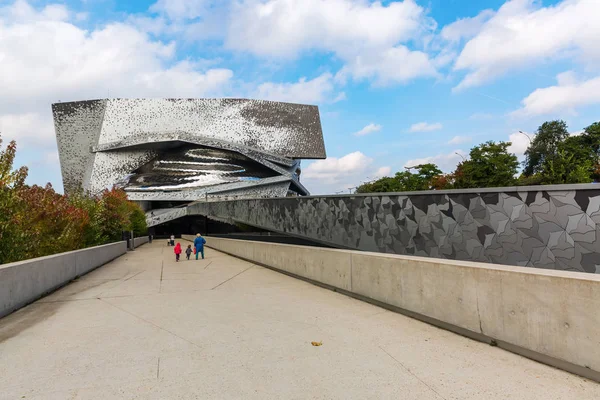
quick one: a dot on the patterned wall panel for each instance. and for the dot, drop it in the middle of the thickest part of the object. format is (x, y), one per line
(541, 227)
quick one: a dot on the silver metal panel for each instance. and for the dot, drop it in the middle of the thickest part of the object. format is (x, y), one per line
(77, 127)
(106, 142)
(288, 130)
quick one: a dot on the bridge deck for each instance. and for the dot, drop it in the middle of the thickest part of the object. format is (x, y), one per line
(144, 327)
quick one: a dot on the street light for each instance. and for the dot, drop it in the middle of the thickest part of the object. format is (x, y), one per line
(526, 135)
(461, 156)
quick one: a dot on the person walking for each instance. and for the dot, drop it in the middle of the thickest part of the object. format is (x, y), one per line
(199, 243)
(177, 251)
(188, 251)
(172, 240)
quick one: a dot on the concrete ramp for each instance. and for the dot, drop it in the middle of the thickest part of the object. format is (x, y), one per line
(147, 327)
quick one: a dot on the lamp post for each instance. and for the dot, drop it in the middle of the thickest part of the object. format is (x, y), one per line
(461, 156)
(526, 135)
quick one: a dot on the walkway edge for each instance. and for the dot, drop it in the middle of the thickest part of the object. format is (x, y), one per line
(23, 282)
(255, 251)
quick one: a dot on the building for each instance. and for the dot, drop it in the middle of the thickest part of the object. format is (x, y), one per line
(169, 152)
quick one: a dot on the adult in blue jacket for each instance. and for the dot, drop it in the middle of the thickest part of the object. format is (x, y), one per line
(199, 245)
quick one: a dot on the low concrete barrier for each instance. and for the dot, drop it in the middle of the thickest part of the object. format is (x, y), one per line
(138, 241)
(549, 316)
(26, 281)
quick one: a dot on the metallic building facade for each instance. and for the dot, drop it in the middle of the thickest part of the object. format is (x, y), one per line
(181, 150)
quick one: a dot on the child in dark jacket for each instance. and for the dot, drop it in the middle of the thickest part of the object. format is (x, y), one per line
(188, 251)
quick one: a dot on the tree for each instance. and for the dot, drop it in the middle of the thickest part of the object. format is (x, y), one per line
(555, 157)
(137, 219)
(94, 233)
(591, 135)
(405, 181)
(490, 165)
(36, 221)
(572, 163)
(591, 139)
(10, 211)
(114, 213)
(544, 146)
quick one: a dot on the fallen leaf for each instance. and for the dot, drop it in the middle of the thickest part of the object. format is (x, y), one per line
(317, 343)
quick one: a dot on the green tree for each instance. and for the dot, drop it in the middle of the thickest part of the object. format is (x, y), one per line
(591, 135)
(404, 181)
(591, 139)
(490, 165)
(137, 219)
(573, 163)
(544, 146)
(94, 233)
(554, 157)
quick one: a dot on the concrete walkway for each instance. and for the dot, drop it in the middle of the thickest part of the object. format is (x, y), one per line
(145, 327)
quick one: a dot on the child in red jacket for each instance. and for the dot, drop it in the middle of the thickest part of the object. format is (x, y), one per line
(177, 251)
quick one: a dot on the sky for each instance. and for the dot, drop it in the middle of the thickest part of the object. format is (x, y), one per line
(398, 83)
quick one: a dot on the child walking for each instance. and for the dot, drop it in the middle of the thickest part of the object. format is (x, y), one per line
(177, 251)
(188, 251)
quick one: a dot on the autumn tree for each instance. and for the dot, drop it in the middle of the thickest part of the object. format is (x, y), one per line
(36, 221)
(11, 181)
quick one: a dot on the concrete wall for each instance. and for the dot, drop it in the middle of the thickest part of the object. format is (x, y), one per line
(550, 316)
(553, 227)
(26, 281)
(137, 242)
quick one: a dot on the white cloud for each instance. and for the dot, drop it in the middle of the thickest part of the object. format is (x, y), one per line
(459, 140)
(333, 168)
(466, 28)
(341, 174)
(425, 127)
(181, 9)
(29, 129)
(522, 33)
(46, 57)
(368, 129)
(314, 91)
(382, 171)
(519, 143)
(445, 162)
(394, 65)
(566, 96)
(368, 36)
(68, 63)
(288, 27)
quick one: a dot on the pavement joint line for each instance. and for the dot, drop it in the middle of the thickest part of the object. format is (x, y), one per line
(120, 282)
(126, 295)
(412, 373)
(133, 276)
(42, 301)
(162, 268)
(236, 275)
(150, 323)
(208, 264)
(158, 369)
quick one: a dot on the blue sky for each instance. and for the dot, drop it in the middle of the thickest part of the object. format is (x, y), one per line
(397, 82)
